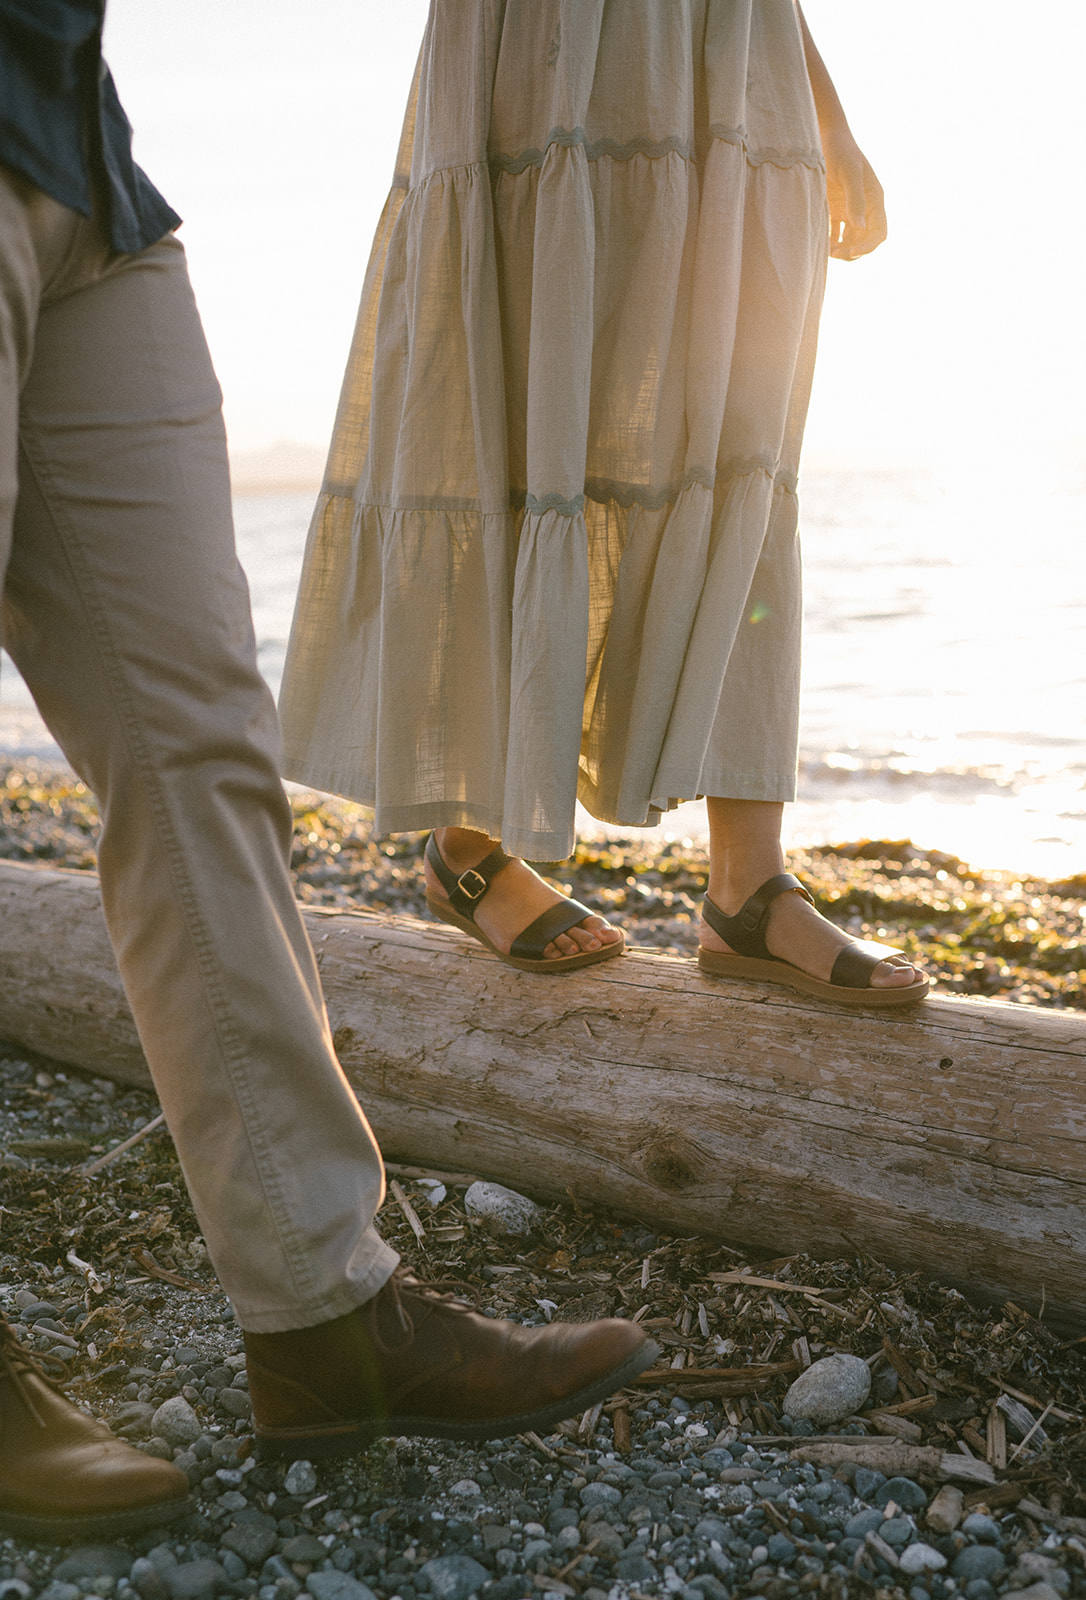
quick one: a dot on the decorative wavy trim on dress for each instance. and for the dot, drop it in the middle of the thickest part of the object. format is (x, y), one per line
(769, 156)
(609, 491)
(550, 502)
(653, 149)
(569, 137)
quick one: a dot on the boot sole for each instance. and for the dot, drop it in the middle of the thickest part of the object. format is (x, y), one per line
(351, 1437)
(110, 1524)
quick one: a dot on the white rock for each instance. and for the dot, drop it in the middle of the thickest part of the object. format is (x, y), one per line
(829, 1390)
(920, 1558)
(467, 1488)
(301, 1478)
(502, 1210)
(176, 1422)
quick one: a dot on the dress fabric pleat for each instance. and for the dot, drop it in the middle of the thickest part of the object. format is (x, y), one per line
(555, 554)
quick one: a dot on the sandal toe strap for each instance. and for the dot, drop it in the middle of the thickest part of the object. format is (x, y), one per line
(468, 889)
(745, 932)
(531, 942)
(857, 961)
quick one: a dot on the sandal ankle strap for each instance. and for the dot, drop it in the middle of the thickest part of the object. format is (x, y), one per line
(468, 889)
(745, 932)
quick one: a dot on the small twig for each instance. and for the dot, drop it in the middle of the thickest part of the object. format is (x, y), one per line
(453, 1180)
(537, 1444)
(408, 1210)
(94, 1282)
(118, 1150)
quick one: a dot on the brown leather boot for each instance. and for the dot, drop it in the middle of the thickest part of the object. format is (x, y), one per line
(414, 1361)
(62, 1474)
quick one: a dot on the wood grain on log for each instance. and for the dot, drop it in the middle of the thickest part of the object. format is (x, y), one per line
(951, 1138)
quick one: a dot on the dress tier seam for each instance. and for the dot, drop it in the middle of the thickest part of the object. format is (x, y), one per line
(613, 150)
(600, 491)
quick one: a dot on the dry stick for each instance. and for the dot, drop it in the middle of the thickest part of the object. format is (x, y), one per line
(408, 1210)
(118, 1150)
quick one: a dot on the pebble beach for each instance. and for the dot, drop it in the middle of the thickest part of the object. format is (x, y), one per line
(950, 1458)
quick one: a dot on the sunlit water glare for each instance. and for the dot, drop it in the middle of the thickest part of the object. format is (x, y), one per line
(944, 665)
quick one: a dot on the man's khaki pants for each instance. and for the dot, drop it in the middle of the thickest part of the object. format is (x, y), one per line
(128, 615)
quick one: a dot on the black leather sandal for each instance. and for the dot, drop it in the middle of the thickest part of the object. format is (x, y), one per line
(526, 952)
(849, 981)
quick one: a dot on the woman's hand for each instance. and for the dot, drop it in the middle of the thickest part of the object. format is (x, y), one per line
(857, 213)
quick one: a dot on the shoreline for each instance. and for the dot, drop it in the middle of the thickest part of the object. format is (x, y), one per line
(997, 934)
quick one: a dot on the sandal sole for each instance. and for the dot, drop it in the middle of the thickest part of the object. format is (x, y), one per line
(782, 973)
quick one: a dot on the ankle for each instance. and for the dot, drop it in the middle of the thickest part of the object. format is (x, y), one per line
(462, 848)
(733, 881)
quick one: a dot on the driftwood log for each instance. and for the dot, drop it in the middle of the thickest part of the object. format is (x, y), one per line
(950, 1139)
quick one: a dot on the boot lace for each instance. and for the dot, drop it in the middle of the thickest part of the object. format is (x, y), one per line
(16, 1361)
(442, 1290)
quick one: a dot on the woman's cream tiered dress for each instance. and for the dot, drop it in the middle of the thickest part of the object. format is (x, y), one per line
(555, 554)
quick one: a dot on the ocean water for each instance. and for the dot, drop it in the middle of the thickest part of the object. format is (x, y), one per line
(944, 661)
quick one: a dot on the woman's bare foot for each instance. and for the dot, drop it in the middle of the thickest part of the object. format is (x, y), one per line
(515, 898)
(745, 851)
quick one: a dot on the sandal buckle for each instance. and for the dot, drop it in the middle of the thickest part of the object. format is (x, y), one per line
(471, 893)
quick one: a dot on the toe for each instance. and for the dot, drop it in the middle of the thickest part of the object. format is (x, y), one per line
(894, 974)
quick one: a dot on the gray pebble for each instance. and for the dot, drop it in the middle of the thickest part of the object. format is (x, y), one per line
(191, 1580)
(710, 1587)
(147, 1580)
(903, 1492)
(1036, 1591)
(830, 1389)
(502, 1210)
(780, 1549)
(896, 1531)
(563, 1517)
(920, 1557)
(337, 1586)
(133, 1419)
(300, 1479)
(93, 1561)
(635, 1569)
(252, 1542)
(454, 1577)
(176, 1422)
(599, 1494)
(866, 1482)
(303, 1547)
(58, 1590)
(984, 1529)
(237, 1402)
(867, 1521)
(977, 1561)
